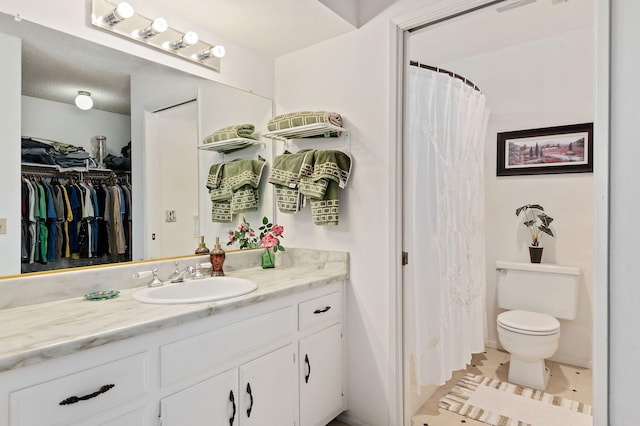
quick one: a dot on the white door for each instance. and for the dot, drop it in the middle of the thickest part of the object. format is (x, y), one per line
(267, 389)
(172, 175)
(213, 402)
(321, 374)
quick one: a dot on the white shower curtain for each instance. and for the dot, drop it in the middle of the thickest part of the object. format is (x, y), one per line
(445, 277)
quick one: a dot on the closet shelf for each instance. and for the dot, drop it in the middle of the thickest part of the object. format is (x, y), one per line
(306, 131)
(57, 169)
(229, 144)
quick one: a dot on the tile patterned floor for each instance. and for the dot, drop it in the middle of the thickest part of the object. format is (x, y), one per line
(566, 381)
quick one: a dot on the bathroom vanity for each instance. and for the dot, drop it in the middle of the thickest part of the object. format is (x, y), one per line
(271, 357)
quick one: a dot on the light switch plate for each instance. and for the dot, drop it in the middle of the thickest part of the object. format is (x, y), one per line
(3, 225)
(170, 216)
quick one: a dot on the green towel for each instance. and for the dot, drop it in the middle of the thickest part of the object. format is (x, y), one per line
(243, 178)
(331, 170)
(220, 194)
(231, 132)
(302, 118)
(285, 175)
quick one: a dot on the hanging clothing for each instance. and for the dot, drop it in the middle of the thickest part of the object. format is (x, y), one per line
(445, 222)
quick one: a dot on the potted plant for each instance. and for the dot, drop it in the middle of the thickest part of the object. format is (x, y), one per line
(538, 223)
(269, 238)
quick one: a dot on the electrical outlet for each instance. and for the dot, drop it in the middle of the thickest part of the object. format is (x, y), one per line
(3, 225)
(170, 216)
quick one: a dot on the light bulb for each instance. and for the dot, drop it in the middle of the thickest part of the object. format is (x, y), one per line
(188, 39)
(83, 100)
(121, 12)
(217, 51)
(159, 25)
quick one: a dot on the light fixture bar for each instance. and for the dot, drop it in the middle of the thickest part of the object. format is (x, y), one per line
(123, 21)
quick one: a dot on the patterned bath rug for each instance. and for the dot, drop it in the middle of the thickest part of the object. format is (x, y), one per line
(504, 404)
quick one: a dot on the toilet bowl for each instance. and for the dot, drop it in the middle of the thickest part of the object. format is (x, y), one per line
(534, 296)
(529, 337)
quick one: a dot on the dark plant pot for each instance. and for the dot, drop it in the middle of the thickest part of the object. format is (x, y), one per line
(535, 253)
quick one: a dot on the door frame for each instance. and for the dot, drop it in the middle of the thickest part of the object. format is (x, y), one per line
(442, 11)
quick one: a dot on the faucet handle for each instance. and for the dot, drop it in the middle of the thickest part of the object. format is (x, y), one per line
(155, 281)
(197, 274)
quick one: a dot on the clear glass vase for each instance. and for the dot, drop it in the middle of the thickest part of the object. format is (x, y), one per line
(268, 259)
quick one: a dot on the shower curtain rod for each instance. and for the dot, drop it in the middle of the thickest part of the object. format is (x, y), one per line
(451, 73)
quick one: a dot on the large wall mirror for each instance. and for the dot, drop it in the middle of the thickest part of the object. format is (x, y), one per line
(153, 117)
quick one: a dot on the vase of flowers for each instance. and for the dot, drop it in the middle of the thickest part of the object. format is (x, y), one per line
(269, 238)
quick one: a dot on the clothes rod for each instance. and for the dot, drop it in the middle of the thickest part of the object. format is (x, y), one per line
(451, 73)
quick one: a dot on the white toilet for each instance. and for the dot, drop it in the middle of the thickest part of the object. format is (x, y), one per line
(536, 295)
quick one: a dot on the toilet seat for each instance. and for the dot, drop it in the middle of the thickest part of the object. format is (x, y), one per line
(529, 323)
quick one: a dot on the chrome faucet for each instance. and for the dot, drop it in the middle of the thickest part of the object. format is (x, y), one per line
(178, 275)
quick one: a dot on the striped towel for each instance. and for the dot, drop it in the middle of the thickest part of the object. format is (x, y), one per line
(231, 132)
(302, 118)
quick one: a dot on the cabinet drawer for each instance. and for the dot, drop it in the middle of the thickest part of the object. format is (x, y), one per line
(62, 400)
(320, 310)
(196, 354)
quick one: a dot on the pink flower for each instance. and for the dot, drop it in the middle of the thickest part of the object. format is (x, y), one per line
(241, 227)
(251, 233)
(231, 238)
(277, 230)
(269, 241)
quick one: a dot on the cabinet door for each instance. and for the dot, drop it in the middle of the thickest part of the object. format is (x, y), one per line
(213, 402)
(321, 376)
(267, 388)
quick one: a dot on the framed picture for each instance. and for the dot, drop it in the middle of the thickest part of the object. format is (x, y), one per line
(560, 149)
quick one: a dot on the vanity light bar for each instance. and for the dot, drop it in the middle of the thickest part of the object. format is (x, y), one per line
(121, 19)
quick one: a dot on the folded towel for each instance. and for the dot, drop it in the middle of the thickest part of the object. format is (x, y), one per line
(331, 172)
(231, 132)
(243, 178)
(301, 118)
(285, 175)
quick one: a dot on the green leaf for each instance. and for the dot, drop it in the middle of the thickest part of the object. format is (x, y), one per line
(530, 223)
(265, 220)
(520, 209)
(546, 230)
(535, 206)
(546, 220)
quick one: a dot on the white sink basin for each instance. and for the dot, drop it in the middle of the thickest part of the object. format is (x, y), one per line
(196, 291)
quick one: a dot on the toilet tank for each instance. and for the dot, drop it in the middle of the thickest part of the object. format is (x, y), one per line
(539, 287)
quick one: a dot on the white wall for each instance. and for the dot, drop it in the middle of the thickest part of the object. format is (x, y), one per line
(10, 78)
(66, 123)
(624, 288)
(525, 90)
(351, 75)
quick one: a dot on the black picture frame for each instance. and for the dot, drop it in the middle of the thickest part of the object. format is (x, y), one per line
(548, 150)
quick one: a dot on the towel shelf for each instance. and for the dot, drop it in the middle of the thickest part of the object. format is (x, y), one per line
(306, 131)
(229, 144)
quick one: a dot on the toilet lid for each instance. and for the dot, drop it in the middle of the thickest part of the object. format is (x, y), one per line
(525, 322)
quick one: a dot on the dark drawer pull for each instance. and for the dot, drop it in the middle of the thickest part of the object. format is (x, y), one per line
(322, 311)
(74, 399)
(233, 401)
(251, 397)
(306, 376)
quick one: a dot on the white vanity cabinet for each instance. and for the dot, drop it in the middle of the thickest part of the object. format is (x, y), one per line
(260, 392)
(276, 362)
(321, 355)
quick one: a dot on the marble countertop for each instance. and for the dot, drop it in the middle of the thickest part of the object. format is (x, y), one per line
(35, 333)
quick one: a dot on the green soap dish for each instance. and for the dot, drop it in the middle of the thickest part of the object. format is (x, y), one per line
(102, 295)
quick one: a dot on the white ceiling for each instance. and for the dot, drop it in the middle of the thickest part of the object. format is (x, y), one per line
(444, 43)
(273, 28)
